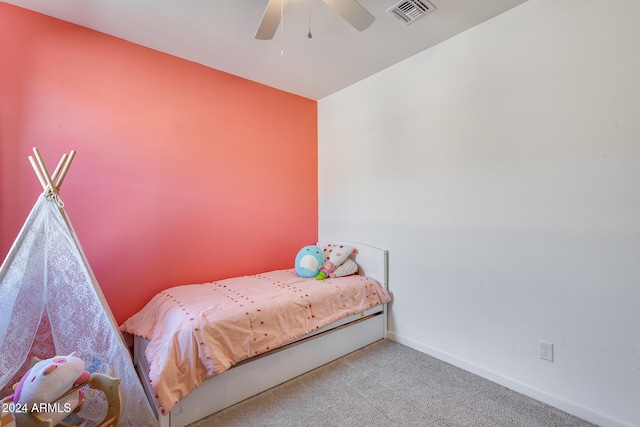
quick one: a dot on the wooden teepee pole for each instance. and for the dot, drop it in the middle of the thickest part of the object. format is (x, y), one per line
(43, 168)
(38, 173)
(65, 168)
(58, 168)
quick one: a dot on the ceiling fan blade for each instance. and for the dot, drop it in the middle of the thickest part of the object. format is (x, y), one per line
(353, 12)
(271, 19)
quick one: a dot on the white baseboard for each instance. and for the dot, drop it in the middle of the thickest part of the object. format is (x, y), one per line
(533, 392)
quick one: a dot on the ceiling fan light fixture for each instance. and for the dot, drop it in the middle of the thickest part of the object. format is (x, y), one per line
(352, 11)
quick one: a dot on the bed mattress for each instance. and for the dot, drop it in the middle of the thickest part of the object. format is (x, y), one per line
(198, 331)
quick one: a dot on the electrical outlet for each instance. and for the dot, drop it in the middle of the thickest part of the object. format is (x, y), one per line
(545, 350)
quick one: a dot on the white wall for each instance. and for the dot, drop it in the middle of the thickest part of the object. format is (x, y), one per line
(501, 169)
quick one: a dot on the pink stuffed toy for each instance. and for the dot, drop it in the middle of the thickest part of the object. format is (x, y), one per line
(326, 270)
(45, 382)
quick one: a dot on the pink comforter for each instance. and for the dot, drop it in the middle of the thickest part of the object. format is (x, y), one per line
(198, 331)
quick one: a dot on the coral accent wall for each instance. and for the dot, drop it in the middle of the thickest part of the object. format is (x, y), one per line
(183, 174)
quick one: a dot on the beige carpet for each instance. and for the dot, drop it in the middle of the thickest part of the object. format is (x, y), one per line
(389, 384)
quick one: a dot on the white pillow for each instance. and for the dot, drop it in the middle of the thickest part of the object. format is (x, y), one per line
(336, 254)
(347, 268)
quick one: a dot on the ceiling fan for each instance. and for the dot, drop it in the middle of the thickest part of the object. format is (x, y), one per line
(350, 10)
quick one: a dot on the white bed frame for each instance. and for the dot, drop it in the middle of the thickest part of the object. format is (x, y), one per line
(260, 373)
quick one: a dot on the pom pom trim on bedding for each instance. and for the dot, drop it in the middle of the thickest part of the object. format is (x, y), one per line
(199, 331)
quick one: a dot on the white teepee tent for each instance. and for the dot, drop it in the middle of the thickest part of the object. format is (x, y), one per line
(51, 304)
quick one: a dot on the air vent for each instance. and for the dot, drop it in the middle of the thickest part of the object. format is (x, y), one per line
(410, 10)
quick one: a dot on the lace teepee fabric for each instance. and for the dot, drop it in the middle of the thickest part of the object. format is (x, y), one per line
(50, 297)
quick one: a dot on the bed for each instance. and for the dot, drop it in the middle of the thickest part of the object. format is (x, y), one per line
(217, 381)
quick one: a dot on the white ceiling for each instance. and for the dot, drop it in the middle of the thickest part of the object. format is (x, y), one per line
(220, 34)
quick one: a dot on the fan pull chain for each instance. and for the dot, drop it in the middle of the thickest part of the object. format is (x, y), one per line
(309, 35)
(282, 27)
